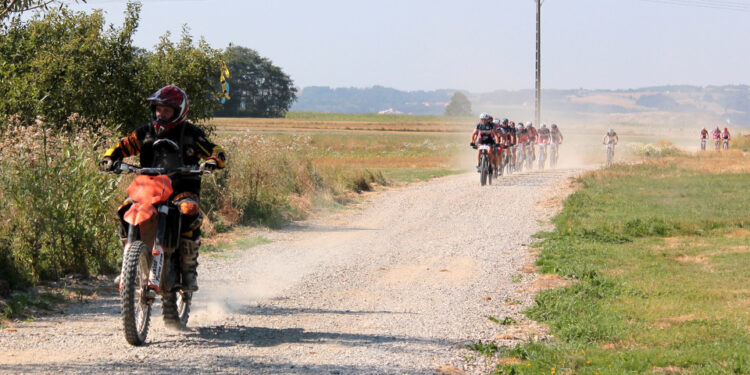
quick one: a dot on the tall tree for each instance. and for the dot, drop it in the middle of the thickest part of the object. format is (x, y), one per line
(257, 87)
(458, 106)
(65, 62)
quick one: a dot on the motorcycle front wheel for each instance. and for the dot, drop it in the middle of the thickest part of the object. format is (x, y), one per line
(136, 308)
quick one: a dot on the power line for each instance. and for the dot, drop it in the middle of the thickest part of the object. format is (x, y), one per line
(704, 4)
(720, 5)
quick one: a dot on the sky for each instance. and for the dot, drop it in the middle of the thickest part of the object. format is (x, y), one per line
(474, 45)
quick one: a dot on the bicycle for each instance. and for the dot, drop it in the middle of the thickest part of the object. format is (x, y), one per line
(553, 154)
(542, 154)
(610, 153)
(485, 167)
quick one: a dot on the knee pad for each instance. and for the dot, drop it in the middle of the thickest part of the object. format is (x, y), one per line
(190, 214)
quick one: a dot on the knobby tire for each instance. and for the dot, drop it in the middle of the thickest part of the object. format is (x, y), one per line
(130, 294)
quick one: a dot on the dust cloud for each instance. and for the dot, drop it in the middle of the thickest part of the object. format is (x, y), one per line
(249, 281)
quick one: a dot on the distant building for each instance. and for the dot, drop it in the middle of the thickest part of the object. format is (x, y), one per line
(390, 111)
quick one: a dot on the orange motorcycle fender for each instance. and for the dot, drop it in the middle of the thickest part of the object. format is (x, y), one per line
(139, 213)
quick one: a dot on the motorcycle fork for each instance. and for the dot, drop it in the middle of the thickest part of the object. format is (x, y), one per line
(157, 265)
(133, 234)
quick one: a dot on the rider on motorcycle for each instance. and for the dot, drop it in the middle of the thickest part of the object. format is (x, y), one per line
(484, 134)
(169, 108)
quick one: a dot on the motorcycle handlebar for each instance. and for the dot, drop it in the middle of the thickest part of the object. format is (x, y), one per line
(120, 167)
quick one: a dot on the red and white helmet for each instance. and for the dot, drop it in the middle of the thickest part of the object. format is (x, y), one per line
(171, 96)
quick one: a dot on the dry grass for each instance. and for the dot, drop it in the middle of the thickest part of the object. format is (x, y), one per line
(368, 124)
(710, 162)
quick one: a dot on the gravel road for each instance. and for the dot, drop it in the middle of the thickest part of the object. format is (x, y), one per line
(400, 284)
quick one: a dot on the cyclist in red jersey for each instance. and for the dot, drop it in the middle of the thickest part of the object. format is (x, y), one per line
(717, 137)
(532, 138)
(725, 136)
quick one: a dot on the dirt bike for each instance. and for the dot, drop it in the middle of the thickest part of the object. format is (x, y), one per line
(703, 143)
(485, 167)
(610, 153)
(542, 154)
(726, 143)
(553, 154)
(150, 264)
(717, 144)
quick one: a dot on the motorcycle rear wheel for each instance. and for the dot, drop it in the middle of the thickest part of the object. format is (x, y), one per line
(176, 308)
(136, 309)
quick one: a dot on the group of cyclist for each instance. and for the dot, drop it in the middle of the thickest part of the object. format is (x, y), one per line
(511, 142)
(718, 135)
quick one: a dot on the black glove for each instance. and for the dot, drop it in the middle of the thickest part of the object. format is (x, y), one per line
(106, 165)
(472, 144)
(209, 165)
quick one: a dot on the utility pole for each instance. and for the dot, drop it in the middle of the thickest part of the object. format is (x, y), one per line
(538, 101)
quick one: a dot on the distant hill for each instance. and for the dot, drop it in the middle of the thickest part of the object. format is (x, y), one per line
(371, 100)
(712, 103)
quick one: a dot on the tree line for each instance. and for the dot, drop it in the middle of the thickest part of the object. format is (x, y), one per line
(70, 85)
(60, 62)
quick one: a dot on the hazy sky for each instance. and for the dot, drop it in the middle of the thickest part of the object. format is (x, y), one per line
(479, 45)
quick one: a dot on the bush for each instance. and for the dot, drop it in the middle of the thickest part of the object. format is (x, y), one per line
(267, 181)
(661, 149)
(58, 209)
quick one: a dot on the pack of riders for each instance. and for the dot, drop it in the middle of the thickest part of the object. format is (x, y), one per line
(718, 136)
(505, 136)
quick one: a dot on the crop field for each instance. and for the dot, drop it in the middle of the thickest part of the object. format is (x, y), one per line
(402, 148)
(300, 122)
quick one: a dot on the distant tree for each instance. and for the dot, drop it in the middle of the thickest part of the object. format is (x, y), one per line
(658, 101)
(458, 106)
(256, 86)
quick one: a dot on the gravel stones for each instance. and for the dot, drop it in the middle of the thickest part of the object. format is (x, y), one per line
(400, 285)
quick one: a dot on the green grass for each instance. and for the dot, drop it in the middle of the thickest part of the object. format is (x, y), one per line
(21, 306)
(660, 256)
(234, 245)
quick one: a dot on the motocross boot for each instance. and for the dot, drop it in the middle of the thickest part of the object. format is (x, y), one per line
(189, 261)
